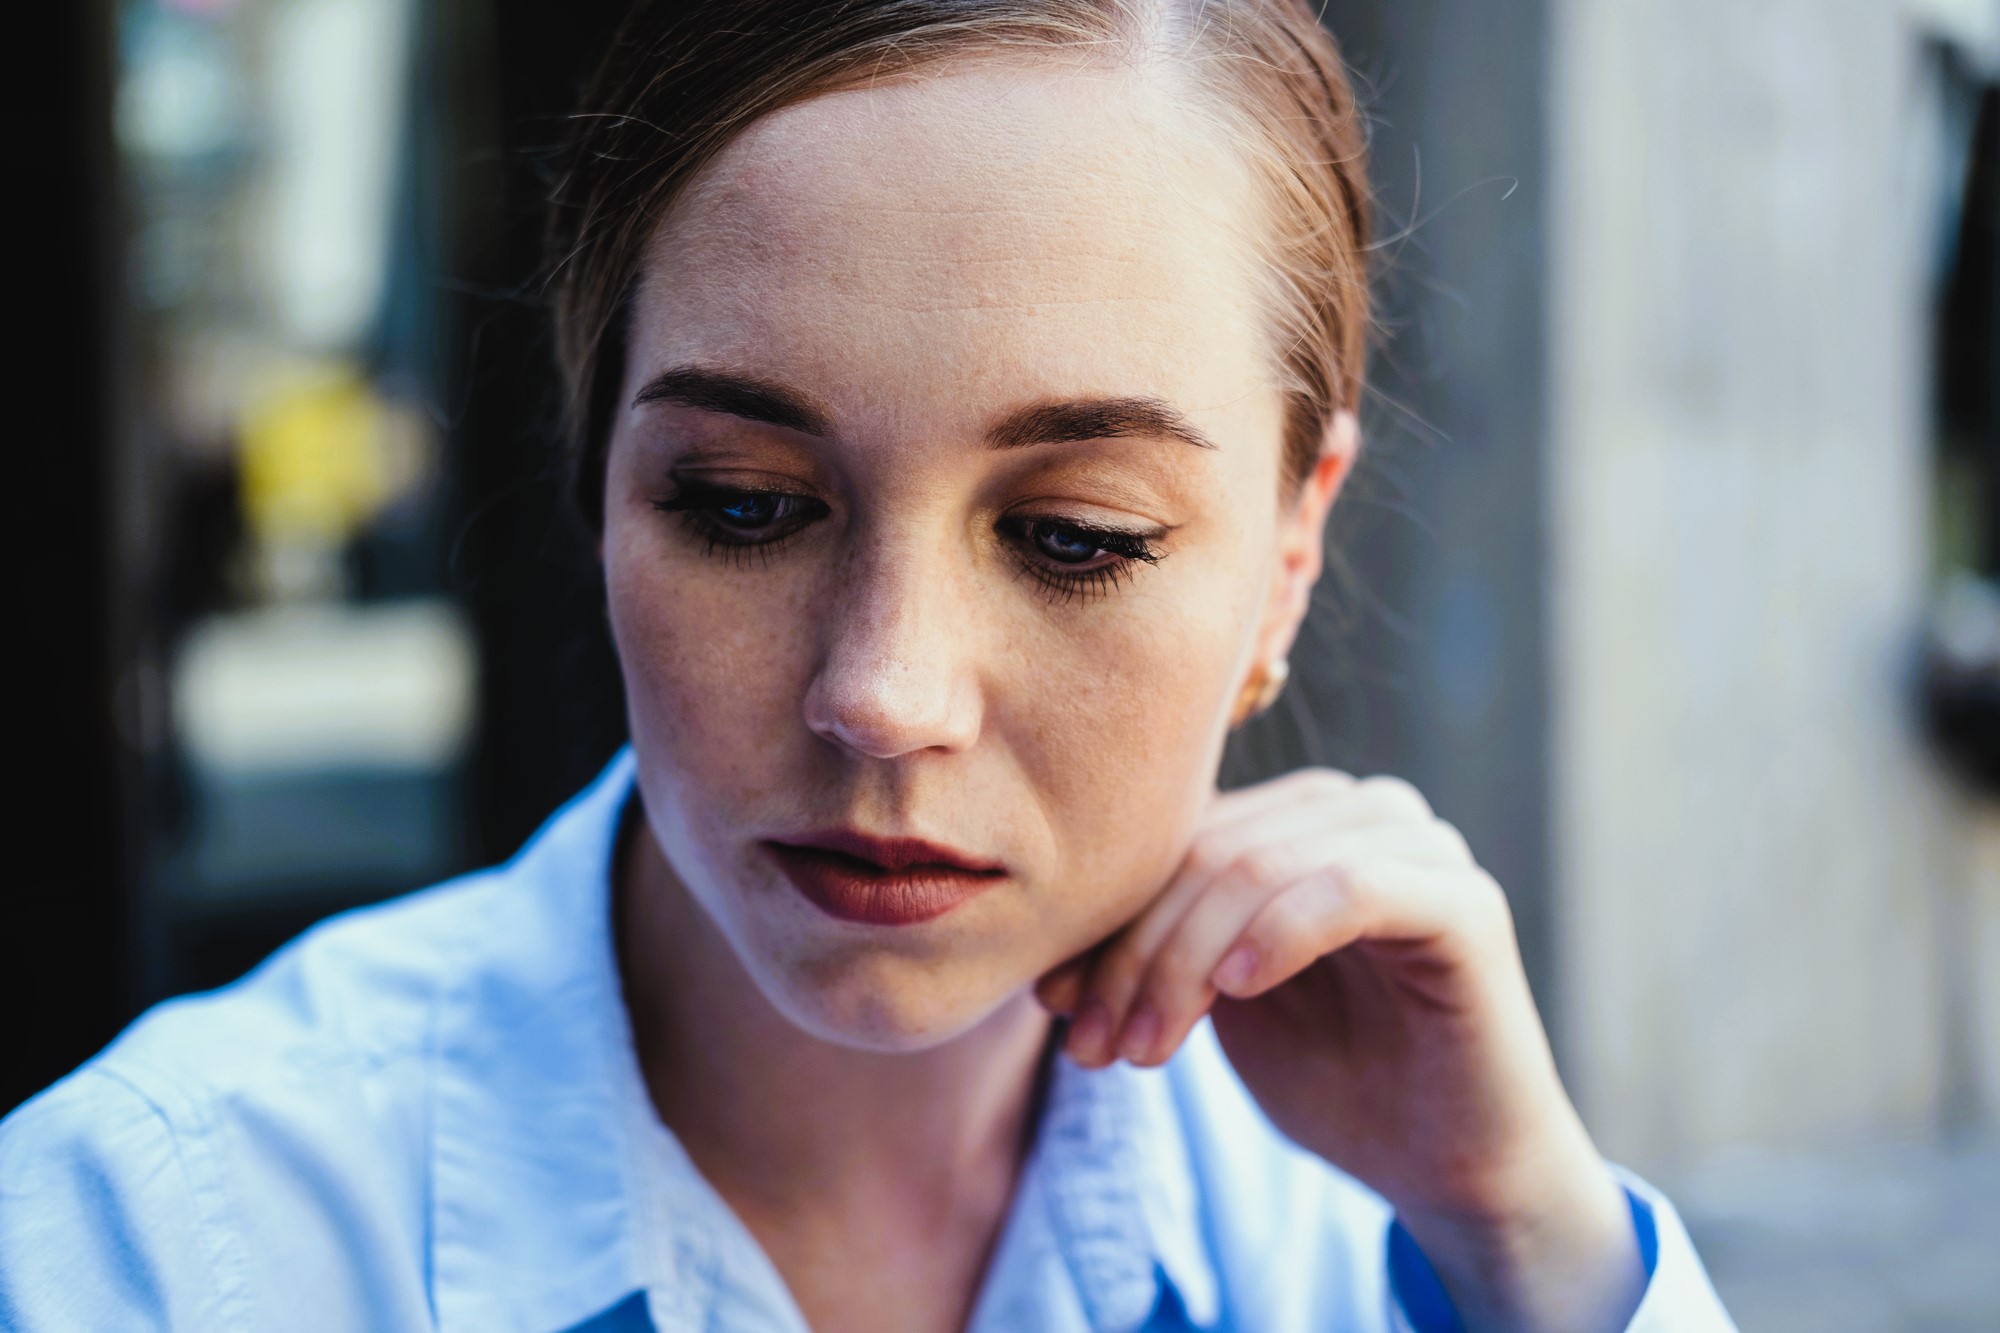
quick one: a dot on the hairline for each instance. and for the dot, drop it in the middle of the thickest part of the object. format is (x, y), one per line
(1232, 129)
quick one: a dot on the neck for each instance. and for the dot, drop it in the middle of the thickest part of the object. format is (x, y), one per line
(786, 1124)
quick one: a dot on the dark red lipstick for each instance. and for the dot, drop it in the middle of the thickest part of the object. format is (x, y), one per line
(882, 881)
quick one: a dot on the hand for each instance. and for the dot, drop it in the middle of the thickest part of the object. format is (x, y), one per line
(1365, 982)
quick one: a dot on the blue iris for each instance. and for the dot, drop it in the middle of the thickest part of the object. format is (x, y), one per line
(752, 511)
(1065, 545)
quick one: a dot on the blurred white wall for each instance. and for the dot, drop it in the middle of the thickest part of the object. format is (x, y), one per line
(1764, 887)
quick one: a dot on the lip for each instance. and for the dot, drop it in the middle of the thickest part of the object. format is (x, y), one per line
(856, 876)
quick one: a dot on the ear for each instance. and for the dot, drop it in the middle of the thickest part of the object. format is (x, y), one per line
(1302, 538)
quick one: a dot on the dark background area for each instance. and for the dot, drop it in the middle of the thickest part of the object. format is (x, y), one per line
(65, 937)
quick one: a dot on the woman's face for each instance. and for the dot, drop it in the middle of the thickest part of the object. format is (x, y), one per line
(943, 503)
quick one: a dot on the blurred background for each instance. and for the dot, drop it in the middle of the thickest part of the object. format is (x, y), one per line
(1670, 577)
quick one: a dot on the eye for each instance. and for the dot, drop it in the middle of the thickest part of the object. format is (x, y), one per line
(754, 511)
(740, 516)
(1065, 545)
(1070, 559)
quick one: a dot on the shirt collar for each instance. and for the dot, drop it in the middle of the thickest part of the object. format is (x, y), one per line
(557, 1194)
(531, 1229)
(1113, 1162)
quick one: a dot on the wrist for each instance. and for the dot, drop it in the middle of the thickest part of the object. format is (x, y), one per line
(1565, 1258)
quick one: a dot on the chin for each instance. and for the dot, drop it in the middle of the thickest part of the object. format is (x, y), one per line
(883, 1004)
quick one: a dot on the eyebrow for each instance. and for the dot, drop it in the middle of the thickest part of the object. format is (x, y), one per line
(737, 396)
(1095, 419)
(1066, 422)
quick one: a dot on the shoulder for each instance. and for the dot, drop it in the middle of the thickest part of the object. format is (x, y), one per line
(1293, 1235)
(352, 997)
(359, 996)
(84, 1169)
(290, 1102)
(280, 1135)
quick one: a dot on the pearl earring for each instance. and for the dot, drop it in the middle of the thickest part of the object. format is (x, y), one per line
(1259, 692)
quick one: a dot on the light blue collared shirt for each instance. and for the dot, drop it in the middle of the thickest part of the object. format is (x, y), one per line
(428, 1115)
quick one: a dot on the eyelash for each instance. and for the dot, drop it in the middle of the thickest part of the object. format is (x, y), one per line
(697, 502)
(1067, 584)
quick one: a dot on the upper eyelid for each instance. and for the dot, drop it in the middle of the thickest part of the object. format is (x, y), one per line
(1147, 539)
(1087, 525)
(1052, 507)
(740, 488)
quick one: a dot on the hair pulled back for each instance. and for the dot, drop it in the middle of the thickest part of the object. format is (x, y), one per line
(683, 77)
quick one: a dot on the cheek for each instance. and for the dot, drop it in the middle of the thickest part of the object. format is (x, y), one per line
(712, 678)
(1116, 716)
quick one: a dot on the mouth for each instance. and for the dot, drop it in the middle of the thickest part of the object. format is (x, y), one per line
(856, 877)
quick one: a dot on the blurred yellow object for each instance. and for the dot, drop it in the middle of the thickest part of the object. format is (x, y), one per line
(321, 453)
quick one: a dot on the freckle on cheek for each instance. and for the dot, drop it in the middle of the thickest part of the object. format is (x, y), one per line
(1120, 754)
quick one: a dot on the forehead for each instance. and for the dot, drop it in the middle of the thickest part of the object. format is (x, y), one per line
(976, 236)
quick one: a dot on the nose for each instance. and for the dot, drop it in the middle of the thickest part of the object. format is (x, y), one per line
(899, 672)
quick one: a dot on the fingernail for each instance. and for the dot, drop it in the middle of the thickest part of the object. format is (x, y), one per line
(1237, 969)
(1142, 1029)
(1090, 1033)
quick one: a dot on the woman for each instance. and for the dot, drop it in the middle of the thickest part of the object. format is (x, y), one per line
(960, 389)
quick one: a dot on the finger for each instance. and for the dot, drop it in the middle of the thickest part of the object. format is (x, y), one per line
(1341, 904)
(1173, 991)
(1323, 821)
(1316, 807)
(1113, 979)
(1319, 803)
(1305, 786)
(1378, 800)
(1176, 989)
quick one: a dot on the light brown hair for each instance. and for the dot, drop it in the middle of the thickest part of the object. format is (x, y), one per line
(684, 77)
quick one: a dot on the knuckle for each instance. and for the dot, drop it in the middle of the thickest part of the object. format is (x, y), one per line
(1173, 974)
(1286, 919)
(1496, 913)
(1319, 779)
(1451, 839)
(1397, 796)
(1349, 887)
(1345, 881)
(1256, 871)
(1209, 856)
